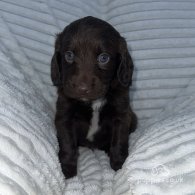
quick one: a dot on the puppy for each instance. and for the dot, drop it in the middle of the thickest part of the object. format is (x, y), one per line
(92, 70)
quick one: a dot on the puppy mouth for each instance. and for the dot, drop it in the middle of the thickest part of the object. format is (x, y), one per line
(88, 98)
(85, 97)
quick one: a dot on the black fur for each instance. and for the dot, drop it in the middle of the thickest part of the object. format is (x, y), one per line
(82, 82)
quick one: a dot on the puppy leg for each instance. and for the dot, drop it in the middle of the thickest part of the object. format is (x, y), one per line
(68, 155)
(119, 144)
(68, 152)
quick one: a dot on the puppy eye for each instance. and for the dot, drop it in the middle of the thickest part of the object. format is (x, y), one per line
(103, 58)
(69, 56)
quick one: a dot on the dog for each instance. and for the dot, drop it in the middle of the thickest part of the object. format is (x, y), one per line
(92, 70)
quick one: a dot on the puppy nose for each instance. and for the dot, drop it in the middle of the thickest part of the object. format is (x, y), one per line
(83, 88)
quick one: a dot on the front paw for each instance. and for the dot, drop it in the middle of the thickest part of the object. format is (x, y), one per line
(117, 159)
(68, 163)
(116, 164)
(69, 170)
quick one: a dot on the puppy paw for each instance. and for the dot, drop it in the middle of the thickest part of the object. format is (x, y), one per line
(69, 170)
(117, 159)
(116, 164)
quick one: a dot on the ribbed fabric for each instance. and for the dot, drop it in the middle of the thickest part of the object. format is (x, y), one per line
(160, 36)
(28, 160)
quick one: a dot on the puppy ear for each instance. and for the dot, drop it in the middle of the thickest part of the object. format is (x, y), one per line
(56, 66)
(125, 69)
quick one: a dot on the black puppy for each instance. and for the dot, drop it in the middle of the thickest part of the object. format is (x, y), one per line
(92, 70)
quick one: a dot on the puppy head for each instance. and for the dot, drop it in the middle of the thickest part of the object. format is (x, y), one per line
(89, 55)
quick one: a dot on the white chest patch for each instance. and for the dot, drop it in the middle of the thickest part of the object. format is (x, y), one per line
(93, 128)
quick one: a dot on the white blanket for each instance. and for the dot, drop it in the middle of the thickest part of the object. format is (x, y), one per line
(161, 151)
(28, 160)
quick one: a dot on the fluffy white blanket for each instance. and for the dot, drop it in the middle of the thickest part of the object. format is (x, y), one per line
(161, 151)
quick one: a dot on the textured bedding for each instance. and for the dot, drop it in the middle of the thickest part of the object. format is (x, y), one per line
(160, 36)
